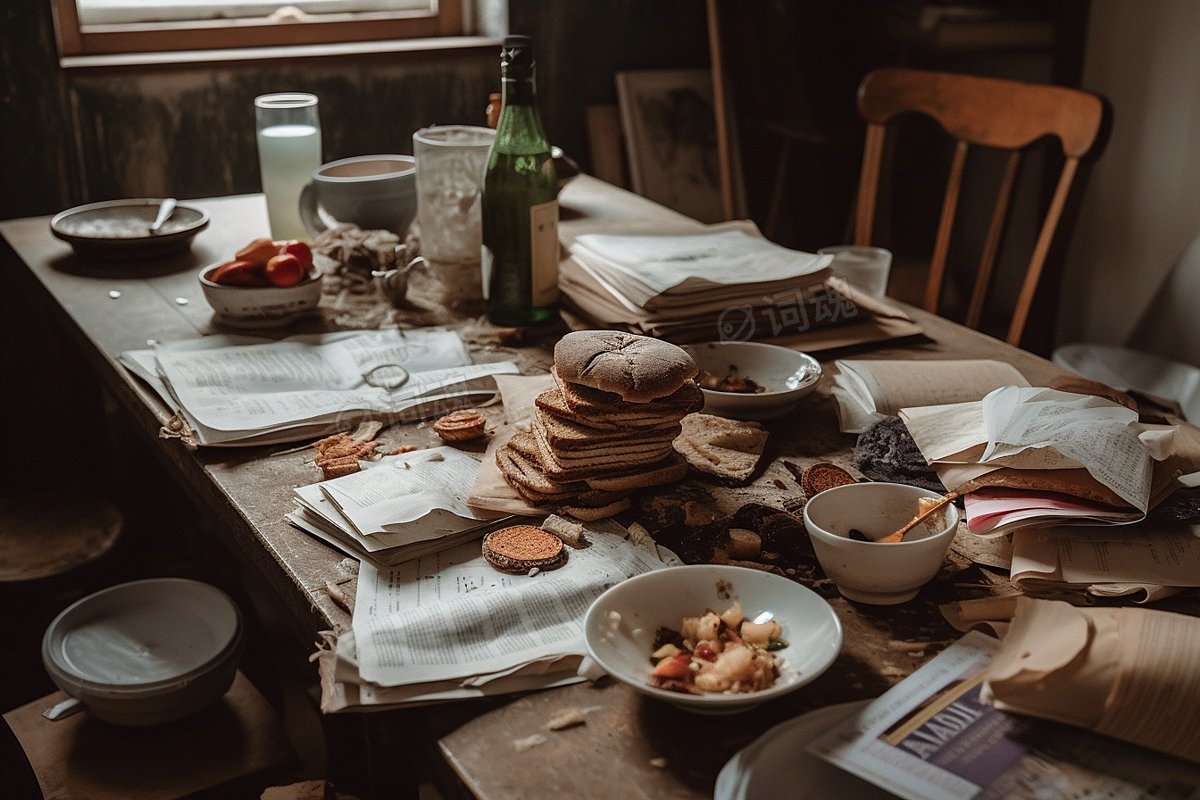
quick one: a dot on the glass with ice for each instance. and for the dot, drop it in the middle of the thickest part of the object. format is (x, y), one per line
(451, 160)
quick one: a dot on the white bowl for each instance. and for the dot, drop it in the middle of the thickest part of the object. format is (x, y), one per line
(787, 375)
(261, 307)
(146, 652)
(620, 626)
(867, 572)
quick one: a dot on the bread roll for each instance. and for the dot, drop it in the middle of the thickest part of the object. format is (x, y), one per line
(637, 368)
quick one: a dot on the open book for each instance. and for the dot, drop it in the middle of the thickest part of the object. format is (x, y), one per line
(397, 509)
(233, 390)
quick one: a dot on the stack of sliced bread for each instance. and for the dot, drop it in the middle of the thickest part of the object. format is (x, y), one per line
(608, 426)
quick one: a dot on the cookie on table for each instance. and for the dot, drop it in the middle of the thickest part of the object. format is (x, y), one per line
(519, 548)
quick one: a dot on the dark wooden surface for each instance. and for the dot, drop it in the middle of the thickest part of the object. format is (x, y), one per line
(617, 753)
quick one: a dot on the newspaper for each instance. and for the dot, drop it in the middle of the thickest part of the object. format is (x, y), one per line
(649, 271)
(241, 391)
(867, 391)
(451, 616)
(931, 737)
(395, 509)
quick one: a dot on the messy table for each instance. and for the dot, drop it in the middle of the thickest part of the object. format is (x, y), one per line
(630, 746)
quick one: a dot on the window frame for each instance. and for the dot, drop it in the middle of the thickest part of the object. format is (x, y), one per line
(445, 19)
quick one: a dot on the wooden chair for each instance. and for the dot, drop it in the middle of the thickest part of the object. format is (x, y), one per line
(989, 112)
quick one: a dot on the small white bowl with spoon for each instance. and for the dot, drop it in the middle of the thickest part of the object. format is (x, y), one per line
(846, 523)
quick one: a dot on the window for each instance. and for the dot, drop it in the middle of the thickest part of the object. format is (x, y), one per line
(94, 27)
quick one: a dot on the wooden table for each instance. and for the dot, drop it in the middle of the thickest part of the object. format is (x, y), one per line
(630, 746)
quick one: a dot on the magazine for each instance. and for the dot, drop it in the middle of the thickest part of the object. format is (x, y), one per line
(931, 737)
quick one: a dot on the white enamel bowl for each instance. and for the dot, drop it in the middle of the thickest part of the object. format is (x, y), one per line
(620, 626)
(146, 652)
(260, 307)
(867, 572)
(787, 375)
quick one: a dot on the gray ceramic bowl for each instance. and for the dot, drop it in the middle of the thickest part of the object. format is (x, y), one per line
(120, 229)
(146, 652)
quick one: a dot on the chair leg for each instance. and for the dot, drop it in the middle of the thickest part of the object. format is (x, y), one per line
(781, 171)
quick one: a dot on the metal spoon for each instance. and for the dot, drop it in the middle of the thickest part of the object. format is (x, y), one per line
(165, 210)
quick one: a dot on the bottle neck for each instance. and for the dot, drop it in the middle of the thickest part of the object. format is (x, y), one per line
(519, 90)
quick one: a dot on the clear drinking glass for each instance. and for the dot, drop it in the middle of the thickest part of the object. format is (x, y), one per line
(289, 149)
(451, 160)
(862, 266)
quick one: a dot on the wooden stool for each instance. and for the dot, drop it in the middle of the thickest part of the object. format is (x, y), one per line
(238, 742)
(46, 535)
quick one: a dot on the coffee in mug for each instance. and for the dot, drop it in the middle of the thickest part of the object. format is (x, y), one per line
(375, 192)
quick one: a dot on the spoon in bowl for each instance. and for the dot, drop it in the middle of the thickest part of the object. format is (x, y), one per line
(165, 210)
(898, 535)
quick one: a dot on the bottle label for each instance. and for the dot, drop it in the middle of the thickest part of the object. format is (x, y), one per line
(543, 252)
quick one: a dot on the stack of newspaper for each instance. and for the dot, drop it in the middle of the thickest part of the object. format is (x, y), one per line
(237, 390)
(684, 287)
(449, 626)
(396, 509)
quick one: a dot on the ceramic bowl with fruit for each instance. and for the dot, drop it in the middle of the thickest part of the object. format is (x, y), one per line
(267, 284)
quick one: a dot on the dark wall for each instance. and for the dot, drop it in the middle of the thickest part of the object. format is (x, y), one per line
(83, 135)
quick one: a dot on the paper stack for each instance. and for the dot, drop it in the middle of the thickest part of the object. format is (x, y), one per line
(1033, 456)
(725, 282)
(396, 509)
(449, 626)
(236, 390)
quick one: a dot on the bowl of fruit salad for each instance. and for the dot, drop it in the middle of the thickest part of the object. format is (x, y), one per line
(712, 638)
(267, 284)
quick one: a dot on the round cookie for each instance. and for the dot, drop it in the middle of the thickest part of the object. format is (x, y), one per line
(520, 548)
(637, 368)
(821, 476)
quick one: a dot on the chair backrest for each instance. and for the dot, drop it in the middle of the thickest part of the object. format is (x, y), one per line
(990, 112)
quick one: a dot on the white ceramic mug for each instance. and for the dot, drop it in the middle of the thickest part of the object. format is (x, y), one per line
(376, 192)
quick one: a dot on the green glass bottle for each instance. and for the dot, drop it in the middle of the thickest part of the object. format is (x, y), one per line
(520, 202)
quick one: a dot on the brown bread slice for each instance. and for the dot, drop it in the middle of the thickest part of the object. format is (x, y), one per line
(725, 449)
(587, 400)
(674, 469)
(563, 434)
(522, 472)
(553, 404)
(593, 514)
(527, 445)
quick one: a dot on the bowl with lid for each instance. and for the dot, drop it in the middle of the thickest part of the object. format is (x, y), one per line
(146, 652)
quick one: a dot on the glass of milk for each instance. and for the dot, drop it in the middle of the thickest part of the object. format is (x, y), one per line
(289, 149)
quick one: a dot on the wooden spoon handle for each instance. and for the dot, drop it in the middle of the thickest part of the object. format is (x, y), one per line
(897, 536)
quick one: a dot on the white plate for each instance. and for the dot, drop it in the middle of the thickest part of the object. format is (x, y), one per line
(622, 645)
(776, 764)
